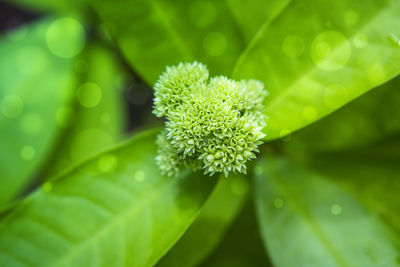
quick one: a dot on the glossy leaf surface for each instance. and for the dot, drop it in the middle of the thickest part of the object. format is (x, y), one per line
(307, 220)
(36, 89)
(113, 210)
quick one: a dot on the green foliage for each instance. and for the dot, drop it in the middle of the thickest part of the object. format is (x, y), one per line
(204, 235)
(33, 127)
(214, 124)
(325, 193)
(101, 125)
(331, 227)
(116, 210)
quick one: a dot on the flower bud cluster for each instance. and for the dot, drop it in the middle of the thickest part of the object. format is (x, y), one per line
(211, 123)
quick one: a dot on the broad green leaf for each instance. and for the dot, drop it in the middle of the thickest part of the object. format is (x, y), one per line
(316, 56)
(113, 210)
(253, 15)
(307, 220)
(206, 232)
(154, 33)
(98, 119)
(242, 245)
(367, 119)
(36, 88)
(372, 175)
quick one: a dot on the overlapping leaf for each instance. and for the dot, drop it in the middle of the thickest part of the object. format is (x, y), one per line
(308, 220)
(36, 89)
(154, 34)
(115, 209)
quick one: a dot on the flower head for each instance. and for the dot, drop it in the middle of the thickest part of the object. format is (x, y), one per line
(211, 123)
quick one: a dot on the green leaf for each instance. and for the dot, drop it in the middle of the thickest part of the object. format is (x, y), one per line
(253, 15)
(307, 220)
(206, 232)
(368, 119)
(36, 89)
(316, 56)
(113, 210)
(370, 174)
(242, 245)
(153, 34)
(100, 124)
(51, 6)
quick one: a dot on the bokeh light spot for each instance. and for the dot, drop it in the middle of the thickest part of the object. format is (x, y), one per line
(266, 60)
(31, 123)
(330, 50)
(27, 153)
(140, 176)
(107, 163)
(89, 95)
(105, 118)
(239, 186)
(215, 44)
(278, 203)
(375, 73)
(336, 209)
(258, 170)
(202, 13)
(32, 60)
(47, 187)
(293, 46)
(11, 106)
(64, 116)
(81, 66)
(18, 35)
(351, 17)
(309, 113)
(286, 135)
(360, 40)
(65, 37)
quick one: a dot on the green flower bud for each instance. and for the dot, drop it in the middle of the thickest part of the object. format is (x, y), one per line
(211, 123)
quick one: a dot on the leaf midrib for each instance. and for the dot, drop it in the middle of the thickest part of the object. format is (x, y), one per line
(257, 37)
(272, 100)
(293, 200)
(124, 215)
